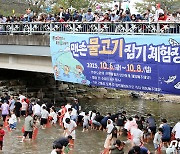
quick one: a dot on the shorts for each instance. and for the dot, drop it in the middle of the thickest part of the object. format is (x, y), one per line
(28, 132)
(166, 140)
(96, 123)
(156, 146)
(119, 128)
(43, 121)
(1, 144)
(13, 126)
(85, 125)
(153, 130)
(23, 113)
(17, 113)
(4, 117)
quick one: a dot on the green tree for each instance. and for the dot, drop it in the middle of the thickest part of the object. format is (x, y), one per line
(167, 5)
(80, 4)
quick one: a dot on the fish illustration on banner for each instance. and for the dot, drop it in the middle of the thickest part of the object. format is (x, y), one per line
(177, 85)
(67, 68)
(171, 79)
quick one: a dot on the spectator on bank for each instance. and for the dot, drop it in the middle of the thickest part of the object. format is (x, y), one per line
(67, 15)
(61, 12)
(114, 17)
(88, 16)
(158, 12)
(116, 10)
(126, 16)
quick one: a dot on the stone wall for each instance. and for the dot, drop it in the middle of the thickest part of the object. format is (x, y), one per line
(33, 40)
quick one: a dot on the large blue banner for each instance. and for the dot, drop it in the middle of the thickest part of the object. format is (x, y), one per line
(136, 62)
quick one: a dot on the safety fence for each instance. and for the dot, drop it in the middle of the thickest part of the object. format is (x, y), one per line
(27, 28)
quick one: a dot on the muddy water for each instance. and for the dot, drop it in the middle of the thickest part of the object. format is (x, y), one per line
(90, 142)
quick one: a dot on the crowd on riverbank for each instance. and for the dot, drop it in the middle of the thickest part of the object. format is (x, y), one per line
(40, 115)
(110, 15)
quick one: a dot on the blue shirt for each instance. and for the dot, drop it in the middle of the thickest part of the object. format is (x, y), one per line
(166, 131)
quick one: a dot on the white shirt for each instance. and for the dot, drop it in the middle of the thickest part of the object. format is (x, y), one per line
(74, 111)
(21, 97)
(54, 116)
(66, 116)
(53, 151)
(137, 135)
(42, 106)
(70, 127)
(67, 106)
(176, 129)
(86, 119)
(157, 14)
(109, 126)
(24, 106)
(37, 109)
(13, 119)
(82, 114)
(44, 114)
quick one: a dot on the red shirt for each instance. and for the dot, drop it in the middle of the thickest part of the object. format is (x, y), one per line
(2, 133)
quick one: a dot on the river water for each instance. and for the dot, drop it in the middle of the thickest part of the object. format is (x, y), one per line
(90, 142)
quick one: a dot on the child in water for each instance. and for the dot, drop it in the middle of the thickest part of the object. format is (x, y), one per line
(85, 121)
(2, 133)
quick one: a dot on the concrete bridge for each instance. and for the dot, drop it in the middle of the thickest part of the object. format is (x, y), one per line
(25, 52)
(23, 47)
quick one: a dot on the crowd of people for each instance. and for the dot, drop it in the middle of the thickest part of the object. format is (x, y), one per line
(39, 115)
(110, 15)
(113, 15)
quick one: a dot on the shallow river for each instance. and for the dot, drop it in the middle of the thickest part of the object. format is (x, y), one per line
(90, 142)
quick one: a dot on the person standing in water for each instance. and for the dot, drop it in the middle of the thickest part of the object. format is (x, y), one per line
(28, 127)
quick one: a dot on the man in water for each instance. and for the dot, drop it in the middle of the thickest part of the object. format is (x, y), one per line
(64, 141)
(28, 127)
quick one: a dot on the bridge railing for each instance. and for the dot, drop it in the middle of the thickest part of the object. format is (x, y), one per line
(90, 27)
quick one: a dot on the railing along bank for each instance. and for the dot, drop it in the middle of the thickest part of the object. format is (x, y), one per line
(91, 27)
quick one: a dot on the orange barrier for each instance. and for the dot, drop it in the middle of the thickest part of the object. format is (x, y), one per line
(129, 136)
(22, 130)
(5, 122)
(35, 132)
(106, 151)
(48, 125)
(8, 128)
(159, 150)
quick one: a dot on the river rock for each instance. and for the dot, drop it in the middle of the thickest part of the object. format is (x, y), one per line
(102, 90)
(81, 90)
(70, 99)
(13, 83)
(63, 87)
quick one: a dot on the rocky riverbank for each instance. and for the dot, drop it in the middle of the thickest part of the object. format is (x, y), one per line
(45, 87)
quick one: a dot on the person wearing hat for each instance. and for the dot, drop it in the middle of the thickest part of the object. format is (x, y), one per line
(88, 16)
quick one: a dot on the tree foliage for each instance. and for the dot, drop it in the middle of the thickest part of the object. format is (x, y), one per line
(167, 5)
(80, 4)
